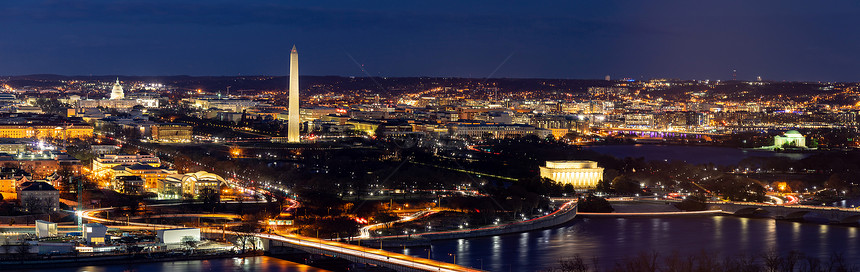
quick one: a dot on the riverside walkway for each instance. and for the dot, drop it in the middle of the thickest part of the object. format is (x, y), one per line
(399, 262)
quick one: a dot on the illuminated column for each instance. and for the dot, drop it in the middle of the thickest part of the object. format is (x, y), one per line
(293, 124)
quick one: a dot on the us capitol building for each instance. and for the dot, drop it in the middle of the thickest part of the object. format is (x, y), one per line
(118, 100)
(583, 175)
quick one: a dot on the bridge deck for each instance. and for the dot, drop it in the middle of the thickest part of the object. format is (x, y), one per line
(399, 262)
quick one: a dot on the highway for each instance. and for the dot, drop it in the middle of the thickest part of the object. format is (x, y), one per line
(569, 204)
(332, 247)
(364, 232)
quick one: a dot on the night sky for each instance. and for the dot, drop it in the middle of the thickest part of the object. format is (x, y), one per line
(778, 40)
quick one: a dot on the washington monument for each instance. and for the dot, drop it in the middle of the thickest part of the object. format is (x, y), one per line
(293, 124)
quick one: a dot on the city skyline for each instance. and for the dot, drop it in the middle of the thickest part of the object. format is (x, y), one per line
(447, 136)
(774, 40)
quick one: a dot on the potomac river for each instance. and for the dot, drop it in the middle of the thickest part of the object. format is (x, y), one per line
(614, 239)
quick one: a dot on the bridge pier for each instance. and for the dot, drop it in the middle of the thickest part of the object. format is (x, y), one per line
(373, 260)
(832, 215)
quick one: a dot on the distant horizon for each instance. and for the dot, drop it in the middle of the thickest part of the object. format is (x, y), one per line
(461, 77)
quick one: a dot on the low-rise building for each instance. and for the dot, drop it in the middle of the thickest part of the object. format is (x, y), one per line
(104, 149)
(494, 130)
(132, 185)
(12, 146)
(582, 175)
(150, 174)
(175, 236)
(42, 164)
(94, 233)
(791, 138)
(39, 197)
(102, 165)
(46, 229)
(10, 180)
(191, 184)
(172, 133)
(43, 126)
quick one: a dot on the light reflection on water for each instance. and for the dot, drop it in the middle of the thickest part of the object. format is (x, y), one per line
(608, 239)
(258, 264)
(614, 239)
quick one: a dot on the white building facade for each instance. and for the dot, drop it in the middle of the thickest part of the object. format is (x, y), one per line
(582, 175)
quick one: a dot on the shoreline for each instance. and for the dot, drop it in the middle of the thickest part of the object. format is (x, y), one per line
(559, 217)
(79, 261)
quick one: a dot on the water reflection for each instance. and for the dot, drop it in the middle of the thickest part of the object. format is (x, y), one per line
(614, 239)
(260, 264)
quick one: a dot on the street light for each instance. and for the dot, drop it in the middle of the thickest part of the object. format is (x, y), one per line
(455, 257)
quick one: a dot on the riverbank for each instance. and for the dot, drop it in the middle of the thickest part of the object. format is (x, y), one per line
(563, 215)
(125, 259)
(255, 263)
(612, 239)
(647, 209)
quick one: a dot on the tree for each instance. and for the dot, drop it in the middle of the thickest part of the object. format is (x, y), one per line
(210, 196)
(835, 182)
(571, 136)
(625, 185)
(189, 242)
(52, 106)
(595, 204)
(384, 217)
(693, 203)
(813, 143)
(605, 184)
(34, 204)
(65, 174)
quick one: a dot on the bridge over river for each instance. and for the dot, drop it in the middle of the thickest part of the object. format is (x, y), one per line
(790, 212)
(358, 254)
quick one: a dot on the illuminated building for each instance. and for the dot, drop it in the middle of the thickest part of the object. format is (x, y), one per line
(94, 233)
(366, 126)
(46, 131)
(132, 185)
(234, 105)
(493, 130)
(103, 149)
(10, 180)
(791, 138)
(172, 133)
(118, 100)
(12, 146)
(103, 164)
(116, 93)
(150, 174)
(293, 122)
(42, 164)
(582, 175)
(190, 184)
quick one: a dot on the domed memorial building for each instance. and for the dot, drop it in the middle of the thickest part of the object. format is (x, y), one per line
(791, 138)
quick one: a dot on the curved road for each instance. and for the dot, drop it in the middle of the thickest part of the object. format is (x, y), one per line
(319, 244)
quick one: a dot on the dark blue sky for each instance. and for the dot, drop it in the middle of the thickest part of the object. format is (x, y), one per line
(778, 40)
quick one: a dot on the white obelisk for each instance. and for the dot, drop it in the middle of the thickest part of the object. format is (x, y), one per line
(293, 124)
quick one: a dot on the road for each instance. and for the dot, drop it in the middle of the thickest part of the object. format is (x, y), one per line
(307, 242)
(365, 231)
